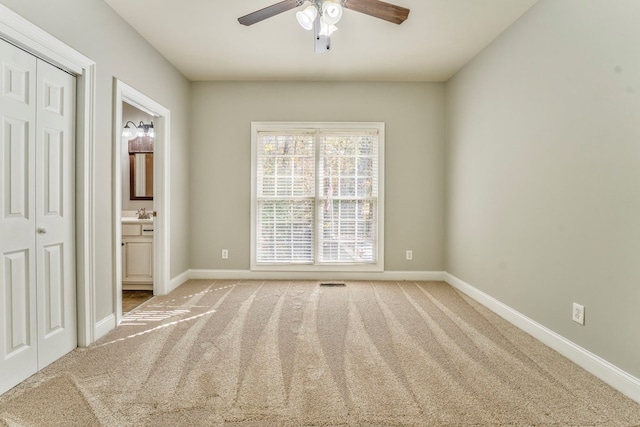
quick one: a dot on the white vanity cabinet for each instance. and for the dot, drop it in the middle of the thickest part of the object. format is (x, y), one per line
(137, 254)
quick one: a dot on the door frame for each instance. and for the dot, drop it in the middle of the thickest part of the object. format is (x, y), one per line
(161, 188)
(27, 36)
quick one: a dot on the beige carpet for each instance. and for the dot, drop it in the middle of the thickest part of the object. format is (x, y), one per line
(243, 353)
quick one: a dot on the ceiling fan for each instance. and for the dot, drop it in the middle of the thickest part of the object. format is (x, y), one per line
(322, 15)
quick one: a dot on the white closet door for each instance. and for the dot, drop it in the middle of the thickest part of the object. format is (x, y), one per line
(37, 254)
(18, 329)
(55, 213)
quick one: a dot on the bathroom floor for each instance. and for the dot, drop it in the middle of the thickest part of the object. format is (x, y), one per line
(132, 299)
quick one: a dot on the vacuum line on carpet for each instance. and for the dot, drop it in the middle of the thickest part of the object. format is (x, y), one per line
(157, 328)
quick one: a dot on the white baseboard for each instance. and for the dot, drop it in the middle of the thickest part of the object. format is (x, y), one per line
(178, 280)
(607, 372)
(104, 326)
(315, 275)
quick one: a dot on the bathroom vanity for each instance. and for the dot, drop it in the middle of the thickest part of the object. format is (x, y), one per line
(137, 254)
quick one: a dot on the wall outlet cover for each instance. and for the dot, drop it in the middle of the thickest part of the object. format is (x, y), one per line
(578, 313)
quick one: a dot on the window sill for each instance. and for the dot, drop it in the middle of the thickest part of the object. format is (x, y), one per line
(324, 268)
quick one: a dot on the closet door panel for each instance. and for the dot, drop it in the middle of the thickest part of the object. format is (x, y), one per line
(17, 308)
(55, 213)
(53, 174)
(54, 306)
(18, 333)
(16, 169)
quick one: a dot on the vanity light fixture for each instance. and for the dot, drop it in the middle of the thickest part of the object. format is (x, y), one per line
(142, 129)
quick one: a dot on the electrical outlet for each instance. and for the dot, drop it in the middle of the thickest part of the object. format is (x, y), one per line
(409, 255)
(225, 254)
(578, 313)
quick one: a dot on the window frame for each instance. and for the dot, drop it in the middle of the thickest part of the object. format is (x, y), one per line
(316, 266)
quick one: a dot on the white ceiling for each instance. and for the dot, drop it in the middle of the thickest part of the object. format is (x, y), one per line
(203, 39)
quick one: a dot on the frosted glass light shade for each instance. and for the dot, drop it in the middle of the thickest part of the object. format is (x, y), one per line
(331, 12)
(306, 17)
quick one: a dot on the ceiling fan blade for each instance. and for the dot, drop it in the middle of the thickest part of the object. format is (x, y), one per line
(379, 9)
(269, 11)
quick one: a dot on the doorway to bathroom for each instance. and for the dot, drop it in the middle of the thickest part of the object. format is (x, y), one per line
(141, 217)
(136, 159)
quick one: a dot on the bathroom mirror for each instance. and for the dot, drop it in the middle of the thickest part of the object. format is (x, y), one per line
(141, 176)
(141, 167)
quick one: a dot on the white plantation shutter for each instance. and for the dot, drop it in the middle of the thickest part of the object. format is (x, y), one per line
(316, 196)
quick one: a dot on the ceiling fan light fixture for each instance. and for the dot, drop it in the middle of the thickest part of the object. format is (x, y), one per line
(307, 16)
(326, 29)
(323, 15)
(331, 12)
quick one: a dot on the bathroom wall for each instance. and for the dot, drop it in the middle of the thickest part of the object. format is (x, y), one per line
(130, 112)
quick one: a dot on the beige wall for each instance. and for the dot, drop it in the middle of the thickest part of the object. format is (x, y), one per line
(94, 29)
(543, 172)
(221, 154)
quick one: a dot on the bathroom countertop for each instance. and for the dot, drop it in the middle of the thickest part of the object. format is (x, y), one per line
(132, 220)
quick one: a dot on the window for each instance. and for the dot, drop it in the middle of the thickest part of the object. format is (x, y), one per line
(317, 196)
